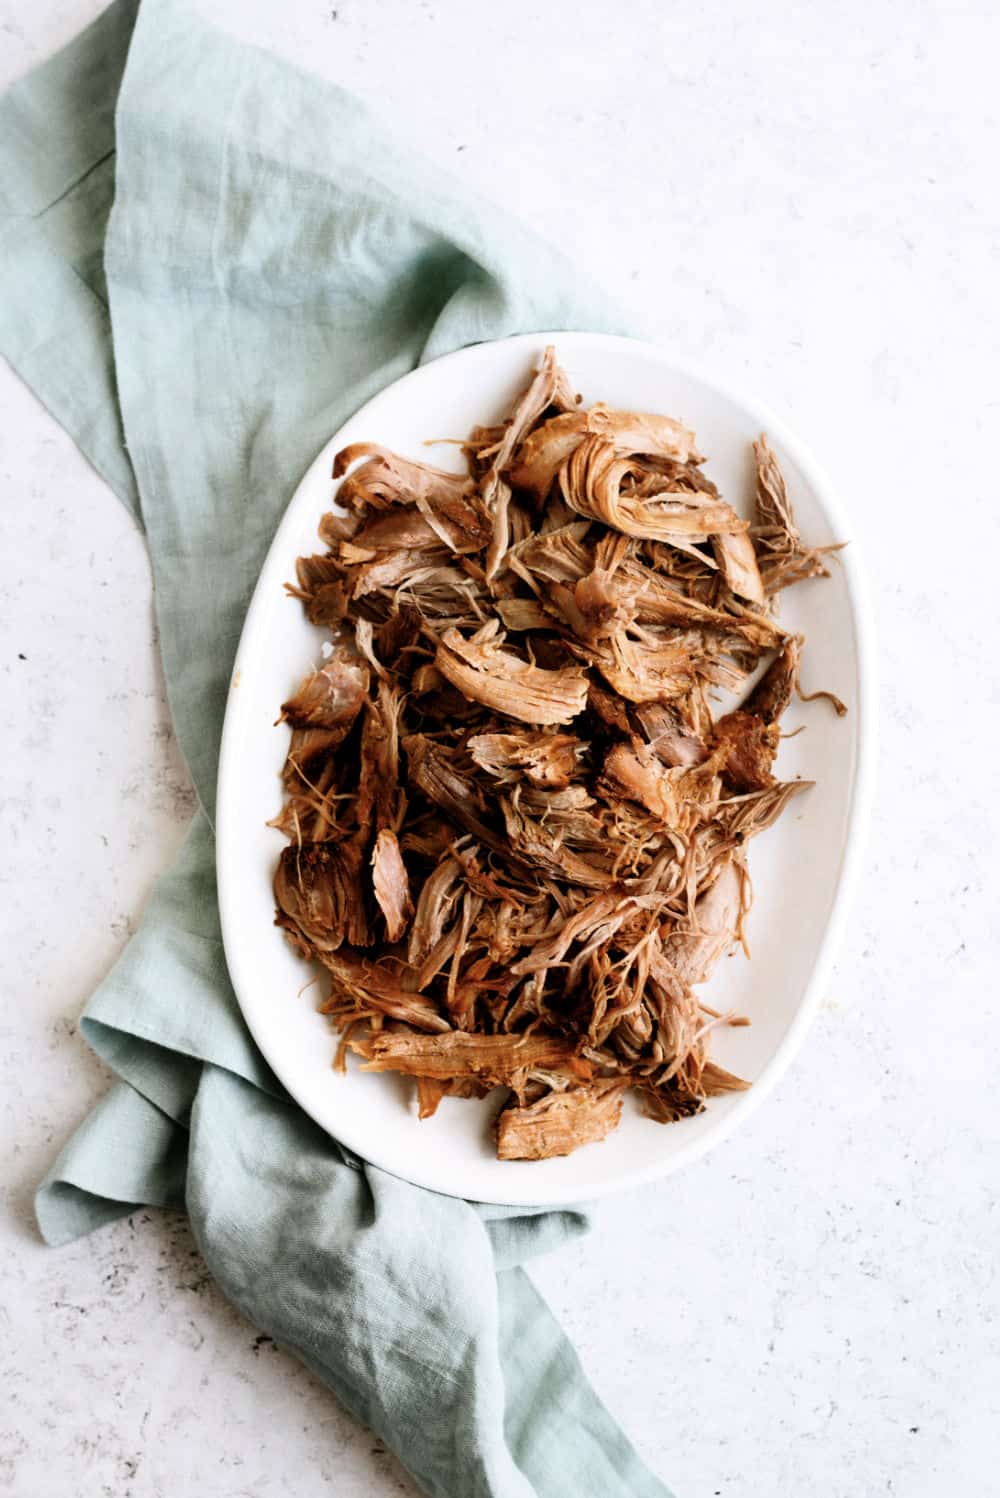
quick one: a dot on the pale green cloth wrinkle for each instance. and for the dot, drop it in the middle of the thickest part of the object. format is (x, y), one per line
(209, 261)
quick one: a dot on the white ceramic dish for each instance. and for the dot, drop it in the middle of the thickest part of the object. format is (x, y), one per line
(802, 868)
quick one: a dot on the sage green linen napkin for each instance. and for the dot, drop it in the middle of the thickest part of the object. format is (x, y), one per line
(209, 261)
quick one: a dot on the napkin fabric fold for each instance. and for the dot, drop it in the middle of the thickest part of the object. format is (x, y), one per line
(209, 260)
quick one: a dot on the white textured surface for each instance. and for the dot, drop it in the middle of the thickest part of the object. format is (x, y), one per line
(805, 198)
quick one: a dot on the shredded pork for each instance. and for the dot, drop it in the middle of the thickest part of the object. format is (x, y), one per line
(517, 825)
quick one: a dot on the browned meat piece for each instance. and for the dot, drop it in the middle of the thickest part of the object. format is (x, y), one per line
(522, 614)
(501, 899)
(751, 745)
(560, 1122)
(384, 479)
(447, 503)
(334, 528)
(595, 485)
(391, 884)
(683, 1096)
(500, 1060)
(693, 954)
(548, 388)
(548, 760)
(624, 432)
(609, 707)
(738, 563)
(670, 1103)
(782, 558)
(434, 908)
(308, 748)
(543, 847)
(320, 896)
(430, 1091)
(602, 604)
(557, 556)
(669, 737)
(545, 452)
(715, 1080)
(640, 671)
(321, 588)
(397, 635)
(389, 570)
(592, 484)
(329, 698)
(433, 771)
(643, 432)
(484, 672)
(360, 989)
(391, 530)
(661, 599)
(773, 692)
(380, 796)
(636, 774)
(774, 510)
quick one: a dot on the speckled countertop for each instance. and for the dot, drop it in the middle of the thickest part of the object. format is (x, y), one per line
(804, 198)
